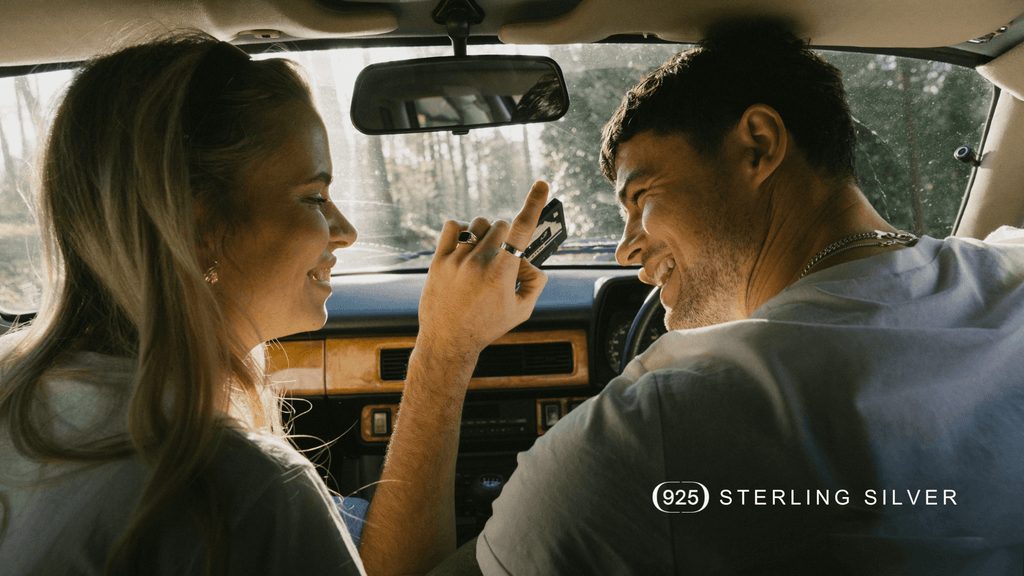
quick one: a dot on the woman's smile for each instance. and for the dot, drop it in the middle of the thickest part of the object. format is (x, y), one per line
(290, 228)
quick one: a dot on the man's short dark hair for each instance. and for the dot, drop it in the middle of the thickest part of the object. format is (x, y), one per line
(703, 92)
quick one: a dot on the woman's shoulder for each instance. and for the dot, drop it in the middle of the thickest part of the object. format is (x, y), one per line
(266, 465)
(262, 451)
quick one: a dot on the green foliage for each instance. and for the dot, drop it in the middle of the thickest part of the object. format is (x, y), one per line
(908, 112)
(914, 112)
(573, 151)
(598, 77)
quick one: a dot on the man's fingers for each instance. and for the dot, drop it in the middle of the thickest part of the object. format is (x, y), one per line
(526, 221)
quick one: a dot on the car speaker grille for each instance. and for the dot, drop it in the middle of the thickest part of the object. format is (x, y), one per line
(501, 360)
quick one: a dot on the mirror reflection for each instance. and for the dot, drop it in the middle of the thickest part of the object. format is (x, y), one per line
(457, 94)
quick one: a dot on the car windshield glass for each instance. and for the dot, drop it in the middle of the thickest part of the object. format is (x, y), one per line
(398, 190)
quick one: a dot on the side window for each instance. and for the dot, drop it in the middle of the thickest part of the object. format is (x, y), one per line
(26, 106)
(911, 115)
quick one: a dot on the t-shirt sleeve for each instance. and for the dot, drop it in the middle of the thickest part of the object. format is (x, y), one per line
(580, 499)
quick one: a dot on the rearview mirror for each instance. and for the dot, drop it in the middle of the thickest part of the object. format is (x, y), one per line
(457, 93)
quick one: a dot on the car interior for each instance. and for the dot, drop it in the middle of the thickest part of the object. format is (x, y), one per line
(935, 87)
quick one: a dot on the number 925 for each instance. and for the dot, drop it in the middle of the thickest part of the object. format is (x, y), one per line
(680, 497)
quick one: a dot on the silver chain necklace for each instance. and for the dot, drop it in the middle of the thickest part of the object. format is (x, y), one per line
(885, 239)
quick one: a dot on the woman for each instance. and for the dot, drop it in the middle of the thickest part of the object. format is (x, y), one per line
(184, 202)
(185, 212)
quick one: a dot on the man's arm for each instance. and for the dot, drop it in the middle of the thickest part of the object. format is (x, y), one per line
(469, 300)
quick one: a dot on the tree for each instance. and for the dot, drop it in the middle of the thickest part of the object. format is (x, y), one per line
(914, 113)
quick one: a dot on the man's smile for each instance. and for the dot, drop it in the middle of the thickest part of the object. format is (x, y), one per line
(664, 270)
(658, 264)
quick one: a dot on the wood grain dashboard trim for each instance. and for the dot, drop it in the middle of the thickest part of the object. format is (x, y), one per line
(297, 368)
(351, 365)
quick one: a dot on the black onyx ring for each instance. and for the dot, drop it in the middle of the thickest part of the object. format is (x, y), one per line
(467, 237)
(511, 250)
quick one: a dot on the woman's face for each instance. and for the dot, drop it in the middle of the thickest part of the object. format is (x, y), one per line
(277, 261)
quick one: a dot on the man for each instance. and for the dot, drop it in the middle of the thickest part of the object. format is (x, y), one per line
(839, 397)
(826, 379)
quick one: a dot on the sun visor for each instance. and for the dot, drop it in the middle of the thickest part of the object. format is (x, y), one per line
(1007, 71)
(28, 30)
(905, 24)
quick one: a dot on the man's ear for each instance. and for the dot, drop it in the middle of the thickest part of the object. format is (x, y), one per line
(762, 135)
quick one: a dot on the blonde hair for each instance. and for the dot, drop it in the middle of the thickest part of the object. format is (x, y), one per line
(133, 211)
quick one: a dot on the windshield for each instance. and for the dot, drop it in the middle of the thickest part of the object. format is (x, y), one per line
(399, 190)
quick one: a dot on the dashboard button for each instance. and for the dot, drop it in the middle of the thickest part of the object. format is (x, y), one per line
(551, 413)
(381, 422)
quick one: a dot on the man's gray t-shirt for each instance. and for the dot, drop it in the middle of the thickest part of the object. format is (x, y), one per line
(868, 419)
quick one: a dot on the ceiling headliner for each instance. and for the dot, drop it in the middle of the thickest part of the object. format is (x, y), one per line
(45, 31)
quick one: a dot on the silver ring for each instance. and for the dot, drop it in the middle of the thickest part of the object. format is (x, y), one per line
(467, 237)
(511, 250)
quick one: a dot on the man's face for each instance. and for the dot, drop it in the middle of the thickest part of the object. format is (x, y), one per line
(687, 225)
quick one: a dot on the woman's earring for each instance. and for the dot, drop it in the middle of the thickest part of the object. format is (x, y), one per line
(211, 273)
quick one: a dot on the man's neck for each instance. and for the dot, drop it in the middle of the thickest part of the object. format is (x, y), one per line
(806, 216)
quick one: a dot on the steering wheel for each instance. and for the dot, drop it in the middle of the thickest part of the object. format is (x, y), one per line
(650, 312)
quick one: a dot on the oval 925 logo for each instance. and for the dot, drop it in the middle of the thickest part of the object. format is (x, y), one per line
(681, 497)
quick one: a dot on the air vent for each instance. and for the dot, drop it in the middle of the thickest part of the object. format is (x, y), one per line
(394, 363)
(497, 361)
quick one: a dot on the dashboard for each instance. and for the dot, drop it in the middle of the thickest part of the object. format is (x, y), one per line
(344, 382)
